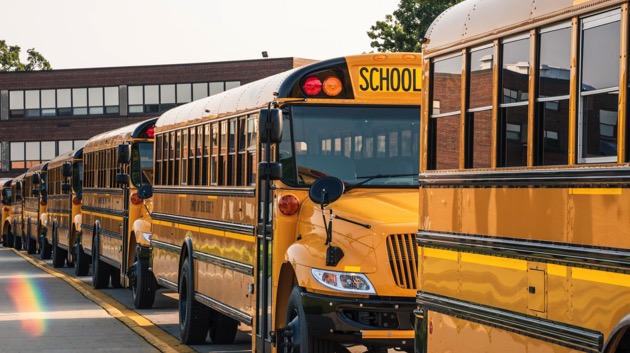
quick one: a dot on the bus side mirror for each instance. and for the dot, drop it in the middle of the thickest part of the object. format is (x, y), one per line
(145, 191)
(66, 188)
(325, 191)
(66, 170)
(35, 179)
(122, 179)
(124, 154)
(270, 125)
(273, 170)
(18, 197)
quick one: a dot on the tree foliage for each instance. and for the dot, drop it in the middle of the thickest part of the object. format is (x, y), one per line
(403, 30)
(10, 59)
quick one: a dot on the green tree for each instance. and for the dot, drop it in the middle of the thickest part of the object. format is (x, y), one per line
(10, 59)
(410, 22)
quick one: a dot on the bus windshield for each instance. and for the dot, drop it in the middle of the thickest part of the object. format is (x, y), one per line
(142, 163)
(353, 143)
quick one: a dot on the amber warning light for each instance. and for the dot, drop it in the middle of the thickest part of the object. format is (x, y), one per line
(330, 85)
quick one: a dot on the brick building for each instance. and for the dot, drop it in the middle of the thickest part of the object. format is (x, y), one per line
(46, 113)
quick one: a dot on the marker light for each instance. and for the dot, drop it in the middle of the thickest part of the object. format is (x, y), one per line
(288, 205)
(150, 131)
(344, 281)
(135, 199)
(332, 86)
(5, 209)
(76, 201)
(312, 86)
(42, 203)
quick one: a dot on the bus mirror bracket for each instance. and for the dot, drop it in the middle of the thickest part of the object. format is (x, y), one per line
(270, 125)
(325, 191)
(271, 169)
(35, 179)
(66, 170)
(124, 154)
(122, 178)
(66, 188)
(35, 192)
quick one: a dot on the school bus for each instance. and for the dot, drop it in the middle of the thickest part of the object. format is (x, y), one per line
(524, 231)
(13, 227)
(64, 208)
(243, 243)
(5, 201)
(115, 222)
(34, 211)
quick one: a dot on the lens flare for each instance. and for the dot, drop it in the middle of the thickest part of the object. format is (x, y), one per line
(28, 300)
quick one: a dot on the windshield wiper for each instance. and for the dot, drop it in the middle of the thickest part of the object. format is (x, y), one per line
(369, 178)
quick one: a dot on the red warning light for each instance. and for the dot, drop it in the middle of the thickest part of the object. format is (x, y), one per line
(312, 86)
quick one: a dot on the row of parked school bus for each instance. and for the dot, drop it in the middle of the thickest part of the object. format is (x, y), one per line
(470, 199)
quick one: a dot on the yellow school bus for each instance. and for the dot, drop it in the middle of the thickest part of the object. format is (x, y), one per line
(243, 242)
(13, 227)
(34, 211)
(114, 220)
(5, 201)
(64, 208)
(524, 230)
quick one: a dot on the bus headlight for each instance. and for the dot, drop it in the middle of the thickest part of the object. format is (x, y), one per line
(344, 281)
(147, 236)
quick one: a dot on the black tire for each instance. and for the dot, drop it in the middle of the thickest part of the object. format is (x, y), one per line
(298, 339)
(46, 248)
(58, 254)
(143, 285)
(17, 242)
(5, 239)
(31, 245)
(100, 270)
(222, 329)
(114, 274)
(82, 265)
(9, 237)
(193, 316)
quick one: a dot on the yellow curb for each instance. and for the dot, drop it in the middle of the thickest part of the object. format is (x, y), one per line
(153, 334)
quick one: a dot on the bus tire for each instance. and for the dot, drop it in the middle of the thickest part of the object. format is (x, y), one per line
(5, 238)
(114, 274)
(100, 270)
(46, 248)
(31, 245)
(143, 286)
(58, 254)
(17, 242)
(82, 265)
(9, 238)
(297, 336)
(193, 316)
(223, 329)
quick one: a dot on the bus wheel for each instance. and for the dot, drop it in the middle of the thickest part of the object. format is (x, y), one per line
(31, 245)
(100, 270)
(17, 242)
(5, 239)
(8, 236)
(82, 265)
(193, 316)
(222, 328)
(58, 255)
(143, 285)
(114, 274)
(46, 248)
(297, 338)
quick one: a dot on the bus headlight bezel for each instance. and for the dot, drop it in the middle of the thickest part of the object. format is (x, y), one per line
(347, 282)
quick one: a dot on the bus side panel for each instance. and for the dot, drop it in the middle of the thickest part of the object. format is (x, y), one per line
(60, 212)
(477, 338)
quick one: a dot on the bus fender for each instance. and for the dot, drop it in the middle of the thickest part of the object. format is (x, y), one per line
(43, 219)
(77, 222)
(310, 253)
(617, 334)
(186, 252)
(142, 230)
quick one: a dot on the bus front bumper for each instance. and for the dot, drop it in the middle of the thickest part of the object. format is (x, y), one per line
(375, 322)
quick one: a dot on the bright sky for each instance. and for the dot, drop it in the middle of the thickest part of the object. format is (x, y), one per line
(104, 33)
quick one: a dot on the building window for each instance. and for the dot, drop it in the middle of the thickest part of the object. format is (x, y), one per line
(63, 102)
(27, 154)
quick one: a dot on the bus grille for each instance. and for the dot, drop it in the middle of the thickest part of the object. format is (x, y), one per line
(402, 250)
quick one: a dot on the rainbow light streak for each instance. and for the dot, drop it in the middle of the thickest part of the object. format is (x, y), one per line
(29, 301)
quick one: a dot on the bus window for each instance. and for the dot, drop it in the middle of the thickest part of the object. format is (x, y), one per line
(142, 163)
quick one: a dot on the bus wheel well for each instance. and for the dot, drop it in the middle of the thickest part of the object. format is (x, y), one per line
(286, 281)
(621, 342)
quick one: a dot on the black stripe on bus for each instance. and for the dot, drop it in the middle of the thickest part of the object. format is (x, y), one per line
(570, 336)
(224, 309)
(87, 191)
(205, 191)
(247, 229)
(102, 231)
(575, 177)
(606, 259)
(107, 211)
